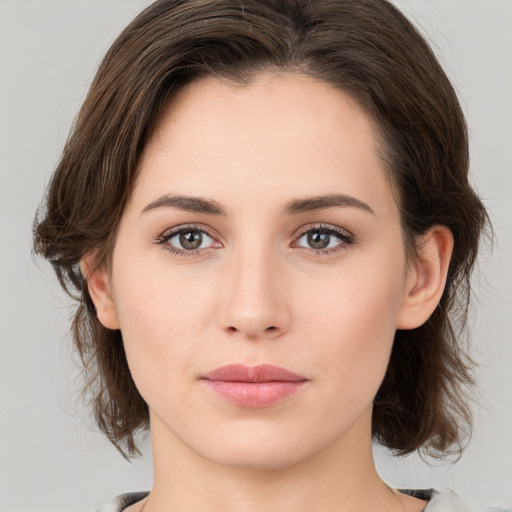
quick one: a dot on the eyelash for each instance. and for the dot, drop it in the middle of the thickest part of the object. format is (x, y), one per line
(344, 236)
(164, 238)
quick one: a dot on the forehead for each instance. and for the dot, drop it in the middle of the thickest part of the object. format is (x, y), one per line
(280, 135)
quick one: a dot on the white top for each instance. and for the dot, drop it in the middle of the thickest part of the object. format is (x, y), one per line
(445, 501)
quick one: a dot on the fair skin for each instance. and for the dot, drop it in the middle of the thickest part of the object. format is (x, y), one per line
(256, 289)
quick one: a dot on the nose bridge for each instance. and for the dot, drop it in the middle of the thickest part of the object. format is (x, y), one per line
(253, 304)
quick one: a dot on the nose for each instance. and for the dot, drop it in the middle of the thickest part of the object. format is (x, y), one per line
(255, 304)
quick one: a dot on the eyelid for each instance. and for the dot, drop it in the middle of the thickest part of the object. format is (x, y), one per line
(183, 227)
(322, 226)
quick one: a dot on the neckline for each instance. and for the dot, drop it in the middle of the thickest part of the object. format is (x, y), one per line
(129, 499)
(422, 494)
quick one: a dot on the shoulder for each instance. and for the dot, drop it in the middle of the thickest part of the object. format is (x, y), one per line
(444, 501)
(121, 502)
(450, 501)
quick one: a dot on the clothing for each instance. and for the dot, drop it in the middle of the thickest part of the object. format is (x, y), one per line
(445, 501)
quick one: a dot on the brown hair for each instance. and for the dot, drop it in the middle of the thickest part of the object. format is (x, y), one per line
(366, 48)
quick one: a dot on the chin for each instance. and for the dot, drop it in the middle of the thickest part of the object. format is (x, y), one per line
(256, 459)
(255, 451)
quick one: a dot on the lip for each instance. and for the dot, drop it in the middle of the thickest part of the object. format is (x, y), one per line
(253, 386)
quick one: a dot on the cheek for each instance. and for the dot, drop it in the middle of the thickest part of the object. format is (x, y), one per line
(359, 302)
(351, 322)
(162, 319)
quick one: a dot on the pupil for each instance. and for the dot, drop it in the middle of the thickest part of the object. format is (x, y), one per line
(318, 240)
(191, 239)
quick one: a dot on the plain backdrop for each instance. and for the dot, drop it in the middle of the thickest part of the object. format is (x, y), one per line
(52, 460)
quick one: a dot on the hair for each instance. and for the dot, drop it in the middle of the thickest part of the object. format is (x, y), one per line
(367, 49)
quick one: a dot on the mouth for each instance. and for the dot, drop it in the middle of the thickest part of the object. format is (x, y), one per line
(253, 386)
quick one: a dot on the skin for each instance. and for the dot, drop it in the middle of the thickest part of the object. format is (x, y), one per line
(255, 291)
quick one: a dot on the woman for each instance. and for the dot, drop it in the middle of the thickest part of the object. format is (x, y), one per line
(264, 207)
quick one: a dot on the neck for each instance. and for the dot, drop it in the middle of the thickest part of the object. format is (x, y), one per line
(339, 477)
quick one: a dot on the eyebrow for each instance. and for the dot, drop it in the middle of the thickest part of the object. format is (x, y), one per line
(186, 203)
(294, 207)
(313, 203)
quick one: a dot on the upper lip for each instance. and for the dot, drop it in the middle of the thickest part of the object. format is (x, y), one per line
(259, 373)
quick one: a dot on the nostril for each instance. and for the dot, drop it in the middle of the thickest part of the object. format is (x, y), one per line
(234, 330)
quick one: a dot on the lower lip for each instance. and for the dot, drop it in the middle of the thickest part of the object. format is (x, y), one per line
(254, 394)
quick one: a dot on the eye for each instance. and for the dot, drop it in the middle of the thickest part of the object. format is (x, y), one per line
(186, 240)
(324, 239)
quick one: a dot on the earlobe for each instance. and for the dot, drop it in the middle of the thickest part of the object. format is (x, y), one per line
(427, 278)
(100, 292)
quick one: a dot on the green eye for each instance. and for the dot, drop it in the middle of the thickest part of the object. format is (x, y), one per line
(324, 239)
(186, 240)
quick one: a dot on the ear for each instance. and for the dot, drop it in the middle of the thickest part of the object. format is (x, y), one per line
(99, 289)
(426, 278)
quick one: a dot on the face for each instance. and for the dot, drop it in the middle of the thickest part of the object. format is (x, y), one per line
(262, 230)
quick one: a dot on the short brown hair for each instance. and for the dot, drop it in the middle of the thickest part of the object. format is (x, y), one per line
(368, 49)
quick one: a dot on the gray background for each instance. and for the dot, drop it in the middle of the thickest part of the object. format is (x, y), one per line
(51, 458)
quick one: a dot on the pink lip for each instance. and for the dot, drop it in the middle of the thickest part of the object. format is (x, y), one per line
(253, 386)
